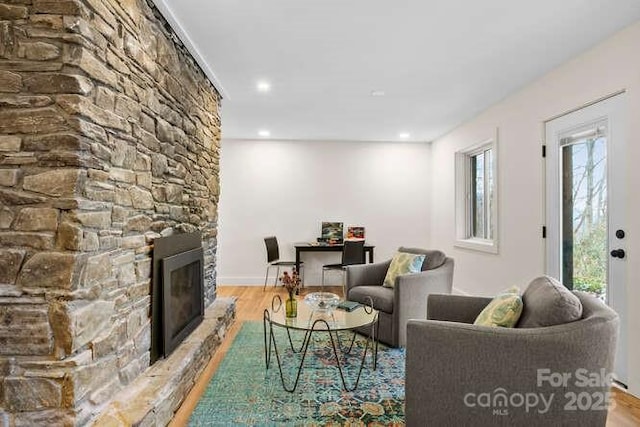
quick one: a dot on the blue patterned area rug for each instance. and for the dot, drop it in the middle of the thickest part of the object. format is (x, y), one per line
(243, 392)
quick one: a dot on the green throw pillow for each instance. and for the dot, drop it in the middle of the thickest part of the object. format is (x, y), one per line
(503, 311)
(402, 263)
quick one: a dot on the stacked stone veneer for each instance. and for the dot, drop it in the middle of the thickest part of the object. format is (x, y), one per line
(109, 138)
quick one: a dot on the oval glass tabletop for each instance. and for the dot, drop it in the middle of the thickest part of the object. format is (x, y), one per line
(336, 319)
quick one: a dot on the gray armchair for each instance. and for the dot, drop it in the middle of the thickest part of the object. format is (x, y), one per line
(408, 299)
(451, 363)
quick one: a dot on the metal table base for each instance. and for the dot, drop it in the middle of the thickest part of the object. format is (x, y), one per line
(319, 325)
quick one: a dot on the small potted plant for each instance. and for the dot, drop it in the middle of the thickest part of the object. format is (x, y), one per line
(291, 282)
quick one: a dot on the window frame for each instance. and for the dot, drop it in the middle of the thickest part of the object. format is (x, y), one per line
(464, 200)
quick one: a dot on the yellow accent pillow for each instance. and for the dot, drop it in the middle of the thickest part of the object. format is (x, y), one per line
(402, 263)
(503, 311)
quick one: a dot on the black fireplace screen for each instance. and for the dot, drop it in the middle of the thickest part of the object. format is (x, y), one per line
(183, 304)
(177, 291)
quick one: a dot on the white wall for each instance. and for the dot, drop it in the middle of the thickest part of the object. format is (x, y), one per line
(287, 188)
(609, 67)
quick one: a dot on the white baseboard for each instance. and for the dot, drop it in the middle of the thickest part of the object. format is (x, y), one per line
(259, 281)
(458, 291)
(253, 281)
(242, 281)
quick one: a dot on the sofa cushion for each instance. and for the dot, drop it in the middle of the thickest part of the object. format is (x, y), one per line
(382, 297)
(402, 263)
(503, 311)
(547, 302)
(433, 257)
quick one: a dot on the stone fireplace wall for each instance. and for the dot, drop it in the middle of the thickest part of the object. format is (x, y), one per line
(109, 138)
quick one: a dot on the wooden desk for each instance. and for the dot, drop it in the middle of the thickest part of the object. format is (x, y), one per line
(308, 247)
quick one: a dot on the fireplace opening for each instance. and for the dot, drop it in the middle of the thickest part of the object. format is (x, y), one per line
(177, 304)
(182, 296)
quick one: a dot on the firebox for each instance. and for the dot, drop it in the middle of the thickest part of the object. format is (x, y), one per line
(177, 304)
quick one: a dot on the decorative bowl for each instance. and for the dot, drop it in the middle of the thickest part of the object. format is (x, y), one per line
(322, 301)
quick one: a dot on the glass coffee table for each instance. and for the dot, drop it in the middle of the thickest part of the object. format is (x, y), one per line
(312, 320)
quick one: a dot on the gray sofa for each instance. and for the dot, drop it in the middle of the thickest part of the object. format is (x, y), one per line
(408, 299)
(452, 365)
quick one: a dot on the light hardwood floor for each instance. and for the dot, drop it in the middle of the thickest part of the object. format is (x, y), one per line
(251, 301)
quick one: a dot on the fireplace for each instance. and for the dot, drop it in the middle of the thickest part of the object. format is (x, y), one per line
(177, 291)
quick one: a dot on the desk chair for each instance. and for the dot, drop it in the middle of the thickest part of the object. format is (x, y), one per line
(273, 260)
(352, 253)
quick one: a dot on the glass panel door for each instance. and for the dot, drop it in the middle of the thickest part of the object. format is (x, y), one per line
(584, 211)
(586, 194)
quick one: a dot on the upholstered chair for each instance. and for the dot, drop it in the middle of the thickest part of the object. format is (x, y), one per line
(407, 299)
(460, 374)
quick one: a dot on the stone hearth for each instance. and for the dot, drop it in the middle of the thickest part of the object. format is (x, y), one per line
(153, 398)
(109, 139)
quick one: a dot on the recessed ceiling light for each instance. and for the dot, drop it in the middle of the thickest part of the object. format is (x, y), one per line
(264, 133)
(404, 135)
(263, 86)
(377, 93)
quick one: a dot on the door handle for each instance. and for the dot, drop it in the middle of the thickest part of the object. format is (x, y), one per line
(618, 253)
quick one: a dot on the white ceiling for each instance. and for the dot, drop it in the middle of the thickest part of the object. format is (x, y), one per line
(438, 62)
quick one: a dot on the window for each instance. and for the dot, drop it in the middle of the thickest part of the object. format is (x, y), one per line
(476, 197)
